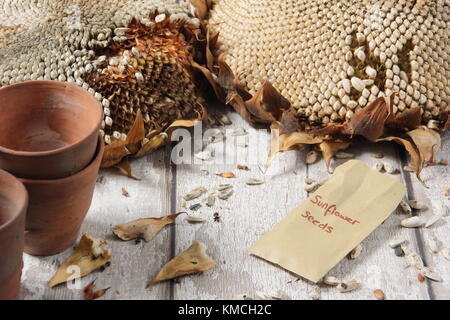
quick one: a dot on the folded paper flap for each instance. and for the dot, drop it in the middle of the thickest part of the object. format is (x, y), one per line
(332, 221)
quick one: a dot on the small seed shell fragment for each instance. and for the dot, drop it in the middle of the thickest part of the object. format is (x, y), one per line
(379, 294)
(344, 155)
(88, 256)
(396, 243)
(211, 200)
(146, 228)
(430, 274)
(225, 194)
(355, 252)
(227, 175)
(192, 260)
(433, 242)
(254, 182)
(91, 294)
(312, 157)
(194, 194)
(331, 281)
(377, 155)
(348, 286)
(412, 222)
(405, 208)
(416, 204)
(192, 219)
(203, 155)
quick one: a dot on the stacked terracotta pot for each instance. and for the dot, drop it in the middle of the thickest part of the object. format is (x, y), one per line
(50, 154)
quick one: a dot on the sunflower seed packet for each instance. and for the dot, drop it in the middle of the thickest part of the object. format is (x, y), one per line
(319, 233)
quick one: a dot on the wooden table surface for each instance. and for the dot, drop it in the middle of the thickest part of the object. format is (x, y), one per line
(245, 217)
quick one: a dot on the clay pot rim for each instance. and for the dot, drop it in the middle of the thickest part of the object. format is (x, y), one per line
(22, 198)
(97, 158)
(69, 147)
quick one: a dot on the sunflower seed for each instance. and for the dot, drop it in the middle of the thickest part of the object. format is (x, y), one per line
(194, 194)
(203, 155)
(390, 168)
(224, 195)
(242, 167)
(237, 132)
(331, 281)
(430, 274)
(227, 175)
(125, 193)
(312, 157)
(254, 182)
(378, 155)
(399, 252)
(416, 204)
(415, 260)
(310, 181)
(211, 200)
(355, 252)
(348, 286)
(446, 253)
(433, 242)
(223, 187)
(405, 208)
(312, 187)
(343, 155)
(412, 222)
(396, 243)
(439, 211)
(314, 292)
(195, 207)
(224, 120)
(192, 219)
(379, 166)
(379, 294)
(405, 248)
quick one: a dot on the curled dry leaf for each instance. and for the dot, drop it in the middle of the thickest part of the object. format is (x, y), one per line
(329, 149)
(88, 256)
(227, 175)
(125, 168)
(146, 228)
(91, 294)
(427, 141)
(201, 8)
(192, 260)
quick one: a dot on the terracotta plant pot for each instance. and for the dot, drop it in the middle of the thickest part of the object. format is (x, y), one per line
(48, 129)
(58, 207)
(13, 208)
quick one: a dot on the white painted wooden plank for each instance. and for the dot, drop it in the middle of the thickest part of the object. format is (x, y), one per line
(377, 267)
(437, 179)
(131, 264)
(253, 211)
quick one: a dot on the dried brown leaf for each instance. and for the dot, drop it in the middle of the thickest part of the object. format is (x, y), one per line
(114, 153)
(211, 41)
(125, 168)
(289, 122)
(212, 80)
(192, 260)
(88, 256)
(410, 118)
(226, 78)
(329, 149)
(445, 118)
(90, 294)
(146, 228)
(427, 141)
(201, 8)
(136, 134)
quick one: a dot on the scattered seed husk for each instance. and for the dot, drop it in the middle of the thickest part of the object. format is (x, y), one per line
(406, 248)
(211, 200)
(216, 217)
(227, 175)
(439, 211)
(412, 222)
(430, 274)
(88, 256)
(396, 243)
(242, 167)
(344, 155)
(237, 132)
(414, 260)
(310, 181)
(312, 157)
(379, 294)
(223, 187)
(446, 253)
(433, 242)
(192, 260)
(274, 295)
(420, 277)
(226, 194)
(91, 294)
(312, 187)
(195, 207)
(224, 120)
(331, 281)
(192, 219)
(443, 162)
(379, 166)
(216, 138)
(314, 292)
(146, 228)
(194, 194)
(408, 168)
(378, 155)
(203, 155)
(355, 252)
(125, 192)
(254, 182)
(399, 252)
(390, 168)
(348, 286)
(405, 208)
(416, 204)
